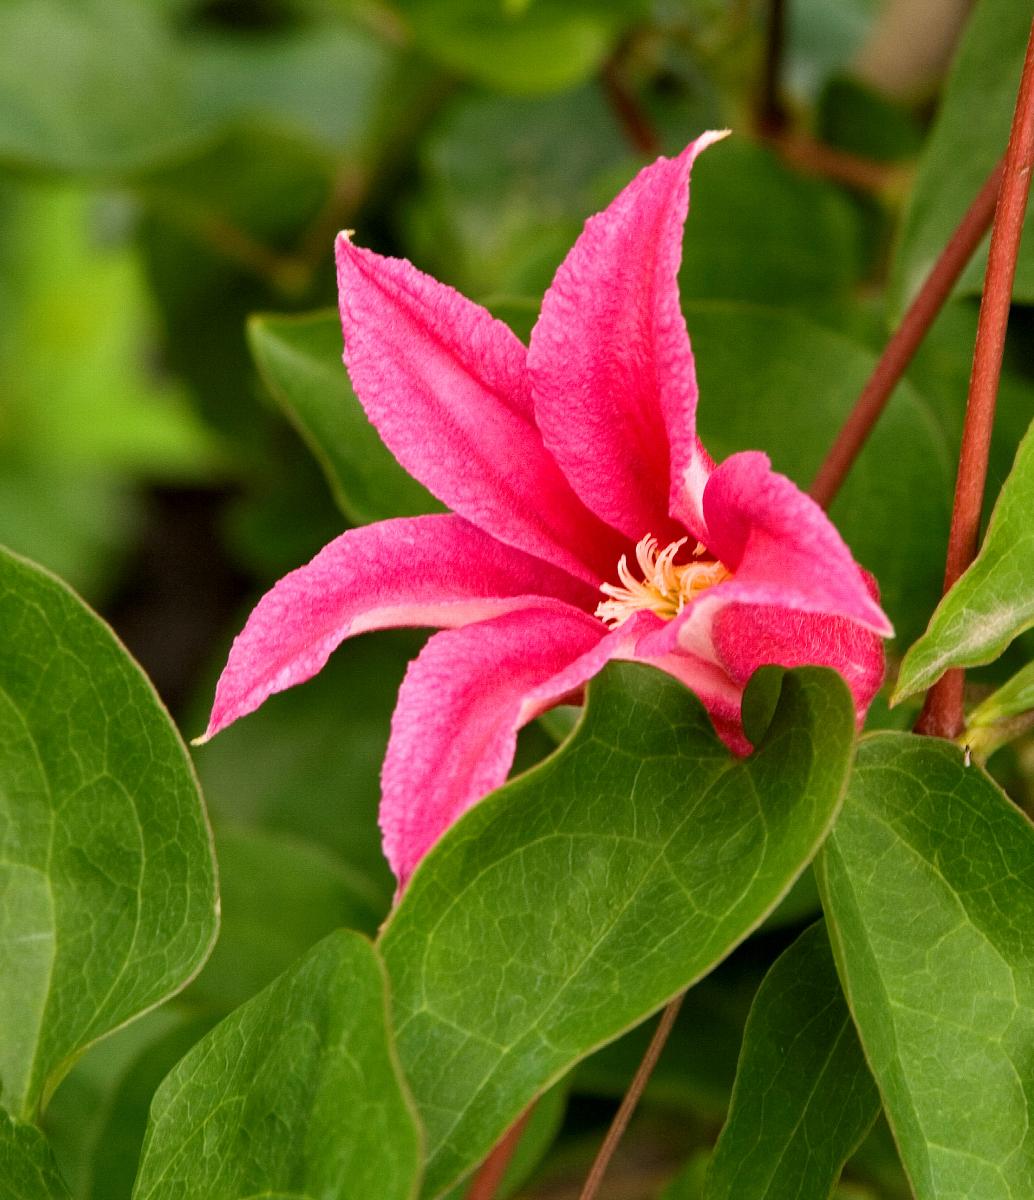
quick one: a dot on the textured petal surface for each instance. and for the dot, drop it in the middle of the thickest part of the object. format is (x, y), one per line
(447, 387)
(434, 570)
(612, 371)
(460, 706)
(777, 540)
(747, 636)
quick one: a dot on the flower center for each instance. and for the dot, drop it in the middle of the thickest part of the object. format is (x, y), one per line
(665, 586)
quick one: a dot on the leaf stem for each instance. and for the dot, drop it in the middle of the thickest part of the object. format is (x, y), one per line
(901, 348)
(943, 710)
(490, 1175)
(631, 1099)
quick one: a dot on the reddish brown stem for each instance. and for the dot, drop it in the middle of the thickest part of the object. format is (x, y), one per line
(901, 348)
(771, 111)
(631, 1099)
(635, 121)
(942, 713)
(490, 1175)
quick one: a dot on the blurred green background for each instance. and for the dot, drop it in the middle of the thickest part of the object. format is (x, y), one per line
(172, 174)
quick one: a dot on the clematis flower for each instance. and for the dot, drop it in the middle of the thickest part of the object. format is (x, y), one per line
(588, 522)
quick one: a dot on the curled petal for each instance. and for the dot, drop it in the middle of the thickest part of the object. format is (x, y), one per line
(435, 570)
(454, 730)
(747, 636)
(612, 371)
(779, 542)
(447, 387)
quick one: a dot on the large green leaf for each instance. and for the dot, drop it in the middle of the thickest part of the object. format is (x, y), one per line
(111, 87)
(107, 876)
(586, 893)
(804, 1098)
(520, 45)
(91, 85)
(696, 1072)
(296, 1092)
(962, 150)
(733, 252)
(279, 895)
(300, 361)
(788, 396)
(506, 183)
(98, 1115)
(928, 886)
(27, 1169)
(993, 602)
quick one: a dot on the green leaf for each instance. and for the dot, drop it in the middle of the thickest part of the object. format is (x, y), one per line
(91, 85)
(993, 602)
(98, 1115)
(300, 362)
(107, 871)
(731, 253)
(961, 151)
(539, 47)
(586, 893)
(789, 397)
(696, 1072)
(804, 1098)
(1012, 698)
(297, 1091)
(506, 185)
(928, 886)
(27, 1165)
(279, 895)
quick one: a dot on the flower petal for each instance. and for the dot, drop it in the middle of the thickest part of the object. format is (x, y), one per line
(747, 636)
(446, 385)
(454, 730)
(781, 547)
(434, 570)
(612, 371)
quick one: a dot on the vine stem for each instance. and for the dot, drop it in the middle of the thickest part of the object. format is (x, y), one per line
(631, 1099)
(490, 1175)
(901, 348)
(771, 115)
(942, 714)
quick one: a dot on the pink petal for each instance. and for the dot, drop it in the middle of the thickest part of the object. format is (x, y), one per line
(747, 636)
(797, 596)
(781, 546)
(612, 371)
(446, 385)
(460, 706)
(434, 570)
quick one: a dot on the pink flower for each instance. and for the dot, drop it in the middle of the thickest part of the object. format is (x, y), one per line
(588, 521)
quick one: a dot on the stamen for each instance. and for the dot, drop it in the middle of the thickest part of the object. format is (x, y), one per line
(664, 587)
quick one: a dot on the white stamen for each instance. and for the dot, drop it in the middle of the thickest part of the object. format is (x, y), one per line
(664, 587)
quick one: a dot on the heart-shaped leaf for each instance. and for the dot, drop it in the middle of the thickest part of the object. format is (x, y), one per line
(993, 602)
(928, 886)
(585, 894)
(804, 1097)
(106, 870)
(296, 1092)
